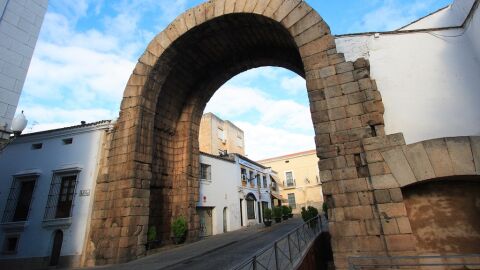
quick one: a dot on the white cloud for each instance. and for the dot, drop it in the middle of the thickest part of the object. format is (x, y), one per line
(44, 118)
(391, 15)
(293, 85)
(233, 101)
(264, 141)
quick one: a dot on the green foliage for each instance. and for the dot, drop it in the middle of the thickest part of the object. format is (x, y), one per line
(277, 212)
(285, 210)
(152, 233)
(267, 214)
(179, 227)
(325, 207)
(309, 213)
(290, 209)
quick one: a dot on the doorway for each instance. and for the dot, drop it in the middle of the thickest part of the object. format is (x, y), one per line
(225, 229)
(56, 248)
(205, 215)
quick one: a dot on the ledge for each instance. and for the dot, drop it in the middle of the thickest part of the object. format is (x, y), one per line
(57, 223)
(18, 226)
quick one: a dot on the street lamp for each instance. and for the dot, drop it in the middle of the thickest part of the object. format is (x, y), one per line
(19, 123)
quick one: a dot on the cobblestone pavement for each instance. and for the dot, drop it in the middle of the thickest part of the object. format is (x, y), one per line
(222, 251)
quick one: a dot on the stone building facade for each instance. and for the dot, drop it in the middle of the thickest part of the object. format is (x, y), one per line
(150, 171)
(300, 184)
(20, 23)
(217, 136)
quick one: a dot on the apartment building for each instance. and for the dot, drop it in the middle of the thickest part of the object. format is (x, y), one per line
(220, 137)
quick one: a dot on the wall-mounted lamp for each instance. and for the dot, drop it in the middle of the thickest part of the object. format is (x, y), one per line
(19, 123)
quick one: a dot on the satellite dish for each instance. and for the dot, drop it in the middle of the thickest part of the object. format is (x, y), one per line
(19, 123)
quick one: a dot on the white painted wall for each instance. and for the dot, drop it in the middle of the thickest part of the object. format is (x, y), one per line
(35, 240)
(225, 190)
(429, 81)
(20, 22)
(221, 192)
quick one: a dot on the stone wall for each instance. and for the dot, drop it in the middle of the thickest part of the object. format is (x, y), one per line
(151, 172)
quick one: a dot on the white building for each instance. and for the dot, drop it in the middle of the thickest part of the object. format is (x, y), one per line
(233, 193)
(46, 192)
(427, 72)
(20, 22)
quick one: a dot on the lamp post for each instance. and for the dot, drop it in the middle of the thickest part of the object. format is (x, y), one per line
(19, 123)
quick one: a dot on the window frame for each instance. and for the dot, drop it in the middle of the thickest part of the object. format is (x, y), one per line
(294, 205)
(55, 191)
(207, 168)
(286, 179)
(11, 204)
(4, 243)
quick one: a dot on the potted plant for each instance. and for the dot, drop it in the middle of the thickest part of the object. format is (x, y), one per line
(325, 209)
(277, 214)
(308, 214)
(179, 227)
(290, 214)
(152, 240)
(285, 210)
(267, 217)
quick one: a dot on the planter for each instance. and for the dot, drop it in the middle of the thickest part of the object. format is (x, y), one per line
(278, 219)
(152, 244)
(178, 240)
(285, 217)
(267, 223)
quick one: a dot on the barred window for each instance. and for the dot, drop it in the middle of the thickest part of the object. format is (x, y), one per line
(19, 198)
(205, 172)
(265, 181)
(61, 195)
(291, 200)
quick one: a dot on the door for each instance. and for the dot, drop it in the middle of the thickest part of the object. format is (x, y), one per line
(205, 215)
(56, 248)
(259, 212)
(225, 229)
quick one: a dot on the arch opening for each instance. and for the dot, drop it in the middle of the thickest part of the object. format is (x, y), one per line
(198, 63)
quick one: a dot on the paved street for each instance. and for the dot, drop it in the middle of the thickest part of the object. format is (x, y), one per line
(217, 252)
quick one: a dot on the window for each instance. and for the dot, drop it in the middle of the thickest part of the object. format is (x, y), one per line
(250, 178)
(10, 244)
(19, 199)
(264, 181)
(205, 172)
(67, 141)
(221, 134)
(250, 198)
(61, 195)
(291, 200)
(243, 172)
(289, 179)
(259, 184)
(37, 146)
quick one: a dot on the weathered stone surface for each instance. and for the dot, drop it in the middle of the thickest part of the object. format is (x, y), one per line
(438, 154)
(384, 181)
(401, 242)
(475, 144)
(390, 210)
(461, 155)
(398, 164)
(419, 162)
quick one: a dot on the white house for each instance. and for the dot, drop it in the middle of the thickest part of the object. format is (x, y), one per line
(233, 193)
(46, 192)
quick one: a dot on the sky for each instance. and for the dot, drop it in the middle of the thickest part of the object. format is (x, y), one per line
(87, 50)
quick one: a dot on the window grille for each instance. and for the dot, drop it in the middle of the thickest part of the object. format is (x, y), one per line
(244, 174)
(205, 172)
(289, 177)
(19, 199)
(291, 200)
(61, 195)
(264, 181)
(250, 209)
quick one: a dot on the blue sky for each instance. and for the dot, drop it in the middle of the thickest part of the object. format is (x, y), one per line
(87, 50)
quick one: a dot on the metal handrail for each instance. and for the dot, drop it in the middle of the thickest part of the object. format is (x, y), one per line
(297, 242)
(372, 262)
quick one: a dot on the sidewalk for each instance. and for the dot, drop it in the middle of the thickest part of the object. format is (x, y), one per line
(187, 252)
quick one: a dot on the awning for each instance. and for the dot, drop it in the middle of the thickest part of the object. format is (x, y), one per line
(274, 177)
(277, 196)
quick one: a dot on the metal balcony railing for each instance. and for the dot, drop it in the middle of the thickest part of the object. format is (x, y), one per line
(287, 252)
(437, 262)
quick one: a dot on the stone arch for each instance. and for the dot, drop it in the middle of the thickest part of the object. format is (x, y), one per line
(150, 173)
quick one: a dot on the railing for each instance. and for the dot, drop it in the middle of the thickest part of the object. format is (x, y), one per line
(437, 262)
(288, 251)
